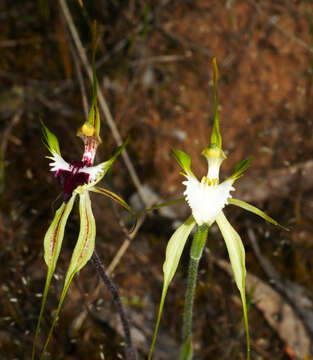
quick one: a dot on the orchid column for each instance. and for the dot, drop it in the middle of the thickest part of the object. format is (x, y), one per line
(206, 199)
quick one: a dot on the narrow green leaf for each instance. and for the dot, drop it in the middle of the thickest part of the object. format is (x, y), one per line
(236, 254)
(240, 168)
(173, 254)
(50, 140)
(52, 246)
(216, 138)
(82, 252)
(183, 160)
(255, 210)
(113, 196)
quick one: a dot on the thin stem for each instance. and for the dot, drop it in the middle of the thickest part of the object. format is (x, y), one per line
(195, 255)
(129, 350)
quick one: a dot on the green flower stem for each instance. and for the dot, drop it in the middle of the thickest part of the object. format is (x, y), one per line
(195, 256)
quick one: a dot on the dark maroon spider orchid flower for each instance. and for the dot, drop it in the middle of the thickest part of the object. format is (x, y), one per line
(75, 173)
(77, 178)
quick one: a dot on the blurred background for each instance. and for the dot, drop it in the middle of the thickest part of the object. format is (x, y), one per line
(154, 69)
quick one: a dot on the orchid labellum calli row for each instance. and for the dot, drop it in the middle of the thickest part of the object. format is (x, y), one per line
(206, 199)
(77, 179)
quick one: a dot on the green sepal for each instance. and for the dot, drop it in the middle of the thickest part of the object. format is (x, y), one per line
(173, 254)
(216, 138)
(183, 160)
(91, 127)
(81, 255)
(240, 168)
(236, 254)
(254, 210)
(52, 246)
(113, 196)
(50, 140)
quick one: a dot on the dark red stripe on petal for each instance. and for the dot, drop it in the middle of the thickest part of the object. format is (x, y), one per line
(55, 234)
(86, 241)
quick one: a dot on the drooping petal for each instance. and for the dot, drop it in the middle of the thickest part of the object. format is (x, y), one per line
(183, 161)
(174, 251)
(82, 252)
(54, 236)
(236, 254)
(52, 246)
(255, 210)
(205, 200)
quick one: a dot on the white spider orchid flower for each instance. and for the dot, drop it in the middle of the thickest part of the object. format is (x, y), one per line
(207, 199)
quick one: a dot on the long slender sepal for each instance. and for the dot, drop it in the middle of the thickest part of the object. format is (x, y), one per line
(82, 252)
(92, 126)
(216, 138)
(157, 207)
(236, 254)
(113, 196)
(254, 210)
(173, 254)
(52, 246)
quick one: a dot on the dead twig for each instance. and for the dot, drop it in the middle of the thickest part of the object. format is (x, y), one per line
(7, 132)
(273, 21)
(120, 253)
(80, 81)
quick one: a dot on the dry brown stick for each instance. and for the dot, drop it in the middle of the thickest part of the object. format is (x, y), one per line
(120, 253)
(80, 81)
(286, 33)
(102, 102)
(7, 132)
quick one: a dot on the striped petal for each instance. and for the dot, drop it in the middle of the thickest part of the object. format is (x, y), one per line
(82, 252)
(52, 246)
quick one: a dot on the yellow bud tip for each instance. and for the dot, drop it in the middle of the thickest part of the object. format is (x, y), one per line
(88, 129)
(215, 70)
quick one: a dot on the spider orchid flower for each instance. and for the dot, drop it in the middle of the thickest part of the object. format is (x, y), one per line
(207, 199)
(77, 179)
